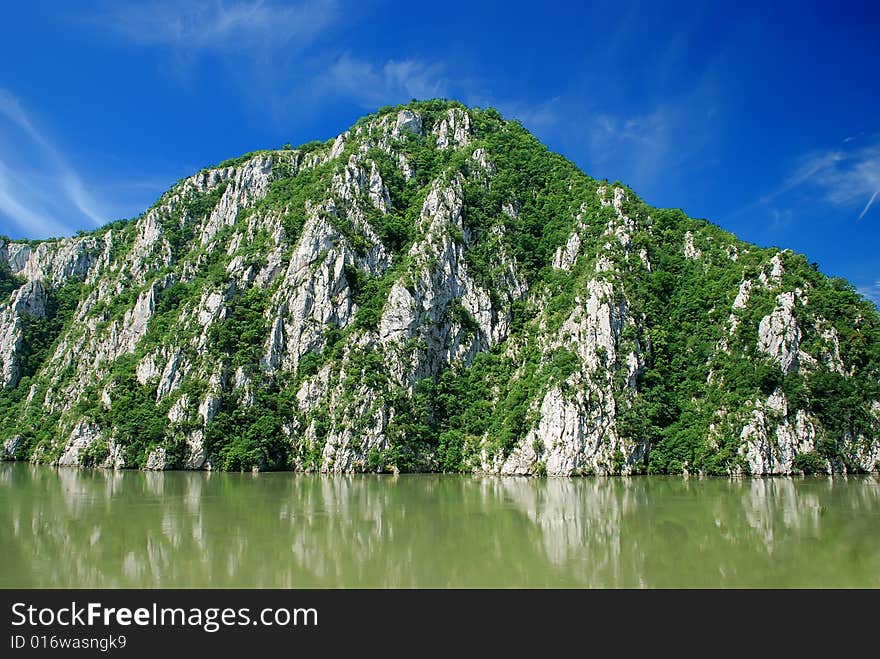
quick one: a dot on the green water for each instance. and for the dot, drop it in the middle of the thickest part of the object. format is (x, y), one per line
(81, 528)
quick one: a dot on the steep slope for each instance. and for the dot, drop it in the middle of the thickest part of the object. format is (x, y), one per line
(432, 290)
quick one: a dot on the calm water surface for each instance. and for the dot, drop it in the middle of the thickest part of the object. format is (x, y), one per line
(80, 528)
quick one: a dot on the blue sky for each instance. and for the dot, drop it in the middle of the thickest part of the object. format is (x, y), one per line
(760, 117)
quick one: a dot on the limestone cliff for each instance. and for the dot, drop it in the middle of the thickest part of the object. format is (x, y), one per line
(430, 290)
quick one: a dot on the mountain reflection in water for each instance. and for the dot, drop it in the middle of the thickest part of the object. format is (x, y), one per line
(82, 528)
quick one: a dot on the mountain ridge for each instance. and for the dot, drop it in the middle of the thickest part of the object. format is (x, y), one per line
(432, 290)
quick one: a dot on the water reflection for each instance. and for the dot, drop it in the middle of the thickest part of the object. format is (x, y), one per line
(81, 528)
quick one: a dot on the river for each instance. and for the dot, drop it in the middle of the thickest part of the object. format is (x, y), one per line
(105, 529)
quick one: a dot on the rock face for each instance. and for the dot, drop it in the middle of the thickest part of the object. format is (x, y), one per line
(84, 435)
(779, 335)
(156, 461)
(774, 436)
(430, 290)
(27, 303)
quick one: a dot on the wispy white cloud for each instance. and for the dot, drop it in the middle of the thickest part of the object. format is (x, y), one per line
(371, 85)
(645, 140)
(81, 198)
(269, 50)
(780, 218)
(215, 25)
(14, 112)
(40, 193)
(847, 178)
(536, 116)
(275, 51)
(872, 292)
(853, 179)
(17, 204)
(806, 170)
(653, 149)
(650, 149)
(869, 204)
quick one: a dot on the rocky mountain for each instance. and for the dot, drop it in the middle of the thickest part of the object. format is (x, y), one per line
(432, 290)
